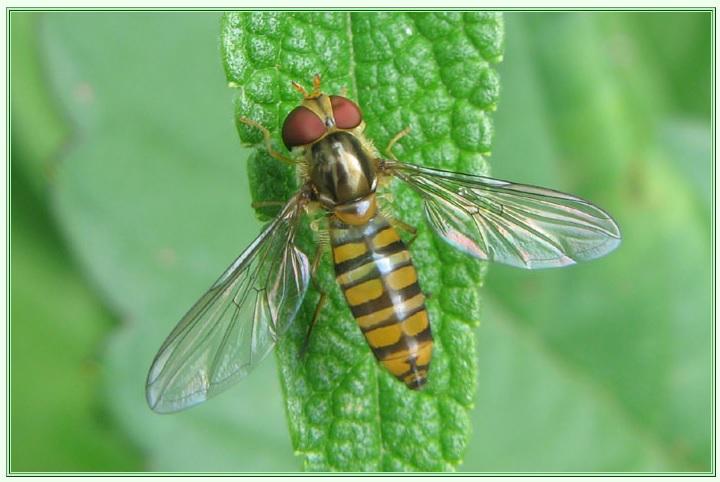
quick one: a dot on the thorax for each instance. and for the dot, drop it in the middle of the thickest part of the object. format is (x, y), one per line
(341, 170)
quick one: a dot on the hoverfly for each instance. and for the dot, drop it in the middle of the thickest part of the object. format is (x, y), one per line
(239, 319)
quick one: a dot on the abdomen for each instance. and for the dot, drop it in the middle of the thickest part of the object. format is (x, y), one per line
(380, 284)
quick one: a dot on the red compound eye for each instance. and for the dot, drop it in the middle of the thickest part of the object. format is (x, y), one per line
(346, 112)
(301, 127)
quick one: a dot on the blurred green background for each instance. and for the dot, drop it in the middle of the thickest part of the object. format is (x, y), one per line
(129, 196)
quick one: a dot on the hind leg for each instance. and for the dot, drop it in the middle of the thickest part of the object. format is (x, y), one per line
(320, 303)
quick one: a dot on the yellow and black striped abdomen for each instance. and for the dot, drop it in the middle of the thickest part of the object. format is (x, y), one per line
(380, 284)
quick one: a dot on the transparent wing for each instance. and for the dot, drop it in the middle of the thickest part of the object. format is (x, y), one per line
(236, 323)
(515, 224)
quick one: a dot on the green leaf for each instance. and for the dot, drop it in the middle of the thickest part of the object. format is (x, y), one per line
(153, 201)
(152, 198)
(57, 422)
(605, 365)
(430, 71)
(37, 125)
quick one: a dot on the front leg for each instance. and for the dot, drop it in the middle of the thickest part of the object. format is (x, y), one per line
(267, 137)
(393, 141)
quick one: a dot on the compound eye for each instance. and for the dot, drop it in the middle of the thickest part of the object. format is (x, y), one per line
(301, 127)
(347, 114)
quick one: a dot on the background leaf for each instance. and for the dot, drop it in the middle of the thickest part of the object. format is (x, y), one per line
(345, 411)
(58, 422)
(136, 204)
(604, 366)
(630, 334)
(38, 129)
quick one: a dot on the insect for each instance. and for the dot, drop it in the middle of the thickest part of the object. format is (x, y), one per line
(239, 319)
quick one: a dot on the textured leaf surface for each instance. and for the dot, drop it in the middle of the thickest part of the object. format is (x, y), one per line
(432, 72)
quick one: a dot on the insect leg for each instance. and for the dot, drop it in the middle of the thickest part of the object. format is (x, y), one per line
(320, 303)
(267, 204)
(316, 315)
(268, 140)
(398, 136)
(407, 228)
(397, 223)
(315, 264)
